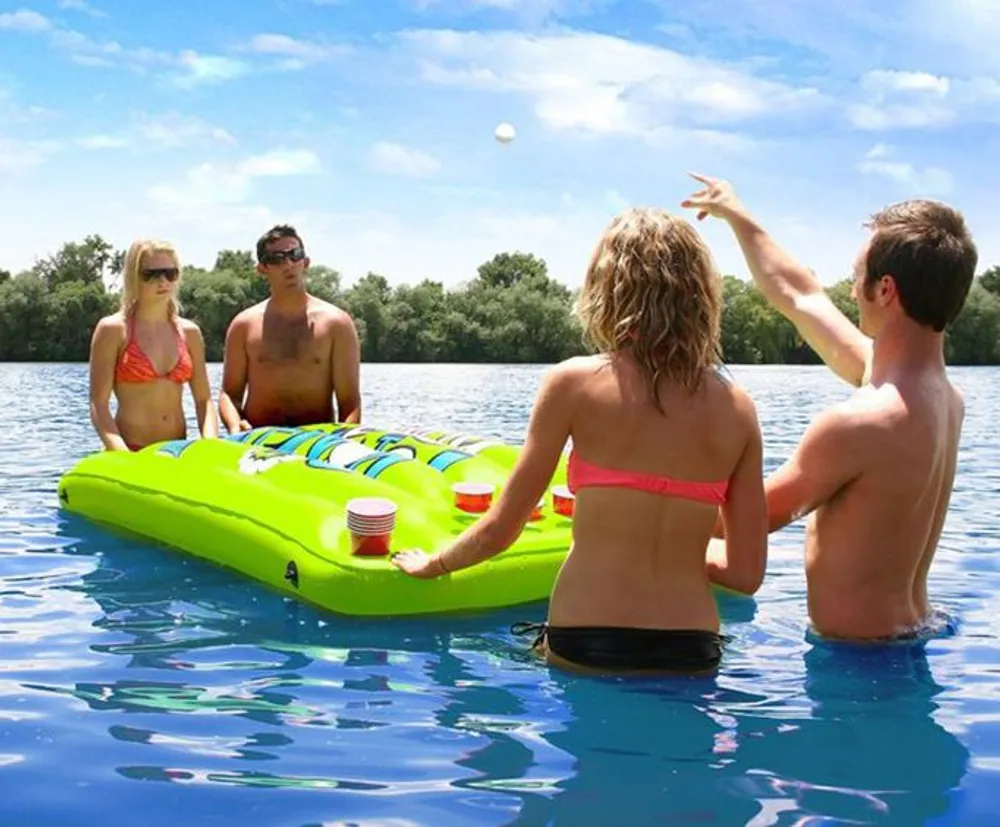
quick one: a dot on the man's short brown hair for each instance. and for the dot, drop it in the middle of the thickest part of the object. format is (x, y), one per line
(927, 248)
(276, 232)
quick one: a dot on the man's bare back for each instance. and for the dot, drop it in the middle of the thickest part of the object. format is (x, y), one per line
(292, 353)
(869, 547)
(876, 472)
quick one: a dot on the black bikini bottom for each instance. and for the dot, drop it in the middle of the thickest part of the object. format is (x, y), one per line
(619, 648)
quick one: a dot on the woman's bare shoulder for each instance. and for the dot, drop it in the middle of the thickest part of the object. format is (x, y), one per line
(581, 366)
(724, 393)
(111, 324)
(188, 327)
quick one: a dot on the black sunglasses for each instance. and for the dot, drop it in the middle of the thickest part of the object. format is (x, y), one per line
(168, 273)
(278, 256)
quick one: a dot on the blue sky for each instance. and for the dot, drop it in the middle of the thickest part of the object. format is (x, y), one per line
(369, 123)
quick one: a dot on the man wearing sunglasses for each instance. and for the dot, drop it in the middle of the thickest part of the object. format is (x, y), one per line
(288, 357)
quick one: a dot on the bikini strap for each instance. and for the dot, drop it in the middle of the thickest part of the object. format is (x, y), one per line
(527, 627)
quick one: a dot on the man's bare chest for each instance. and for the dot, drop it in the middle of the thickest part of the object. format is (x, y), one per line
(288, 344)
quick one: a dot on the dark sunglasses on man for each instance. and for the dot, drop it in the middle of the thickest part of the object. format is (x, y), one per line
(278, 256)
(153, 273)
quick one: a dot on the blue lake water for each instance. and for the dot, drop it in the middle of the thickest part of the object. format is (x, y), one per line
(140, 687)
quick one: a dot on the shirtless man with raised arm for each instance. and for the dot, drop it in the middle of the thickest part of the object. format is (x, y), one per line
(292, 353)
(877, 469)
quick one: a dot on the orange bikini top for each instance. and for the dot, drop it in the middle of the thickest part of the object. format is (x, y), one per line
(135, 366)
(582, 474)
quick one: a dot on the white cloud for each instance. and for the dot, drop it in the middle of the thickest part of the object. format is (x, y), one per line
(902, 100)
(602, 84)
(879, 160)
(203, 185)
(103, 141)
(176, 129)
(965, 33)
(529, 11)
(394, 159)
(294, 53)
(280, 162)
(200, 70)
(882, 81)
(914, 100)
(81, 6)
(957, 37)
(194, 69)
(12, 112)
(209, 185)
(86, 51)
(21, 156)
(616, 201)
(169, 131)
(24, 20)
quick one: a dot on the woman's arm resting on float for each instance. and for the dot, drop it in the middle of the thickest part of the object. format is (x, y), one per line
(201, 389)
(548, 430)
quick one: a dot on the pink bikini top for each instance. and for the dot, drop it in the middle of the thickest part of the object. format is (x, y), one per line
(582, 474)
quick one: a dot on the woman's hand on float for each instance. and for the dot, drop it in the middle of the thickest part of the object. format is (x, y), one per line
(417, 563)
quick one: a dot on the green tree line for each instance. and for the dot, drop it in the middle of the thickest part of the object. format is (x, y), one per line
(511, 311)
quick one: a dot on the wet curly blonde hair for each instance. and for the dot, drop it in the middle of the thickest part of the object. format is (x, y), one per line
(652, 288)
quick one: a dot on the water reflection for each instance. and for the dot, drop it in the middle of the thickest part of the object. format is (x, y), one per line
(868, 749)
(464, 707)
(137, 680)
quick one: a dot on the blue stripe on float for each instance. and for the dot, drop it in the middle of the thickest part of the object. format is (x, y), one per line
(380, 465)
(446, 459)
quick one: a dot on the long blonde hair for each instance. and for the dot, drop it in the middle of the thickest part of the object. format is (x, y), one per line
(653, 288)
(132, 274)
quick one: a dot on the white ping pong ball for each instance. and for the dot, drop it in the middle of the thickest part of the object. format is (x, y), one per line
(504, 133)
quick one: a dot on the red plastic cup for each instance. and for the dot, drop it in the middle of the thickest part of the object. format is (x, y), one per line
(536, 512)
(371, 521)
(563, 501)
(473, 497)
(376, 545)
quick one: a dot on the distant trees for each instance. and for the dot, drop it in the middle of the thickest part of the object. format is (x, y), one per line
(511, 311)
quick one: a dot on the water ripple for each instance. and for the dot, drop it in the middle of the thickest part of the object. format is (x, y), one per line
(126, 664)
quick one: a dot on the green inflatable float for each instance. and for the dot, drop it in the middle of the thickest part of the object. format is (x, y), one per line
(271, 503)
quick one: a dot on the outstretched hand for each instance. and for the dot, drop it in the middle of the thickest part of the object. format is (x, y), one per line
(417, 563)
(717, 199)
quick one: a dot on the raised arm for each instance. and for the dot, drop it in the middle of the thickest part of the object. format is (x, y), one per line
(201, 390)
(739, 562)
(346, 366)
(103, 355)
(234, 377)
(790, 287)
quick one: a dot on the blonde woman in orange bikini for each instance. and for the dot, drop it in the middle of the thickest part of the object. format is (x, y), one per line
(663, 445)
(145, 354)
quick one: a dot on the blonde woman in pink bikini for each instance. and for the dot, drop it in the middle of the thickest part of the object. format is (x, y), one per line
(145, 354)
(663, 446)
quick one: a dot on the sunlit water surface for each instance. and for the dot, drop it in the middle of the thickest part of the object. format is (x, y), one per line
(139, 687)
